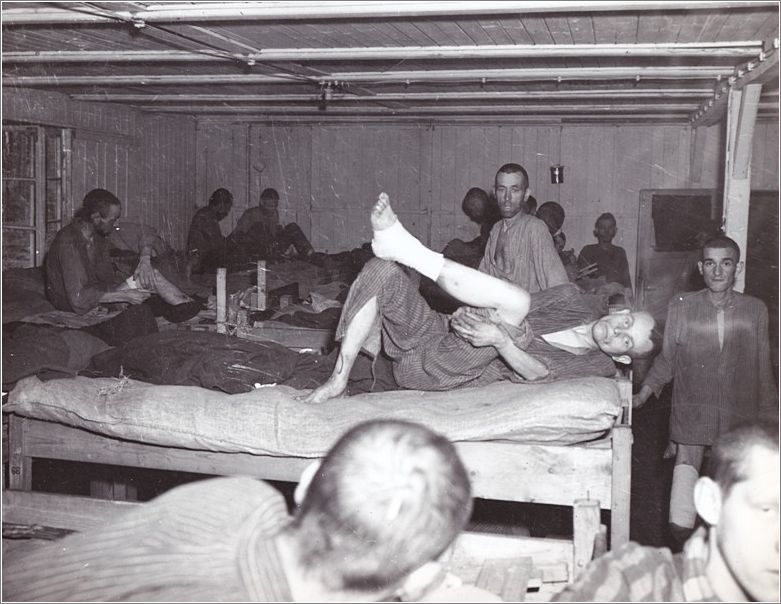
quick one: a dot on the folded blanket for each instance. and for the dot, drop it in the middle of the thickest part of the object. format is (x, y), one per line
(271, 421)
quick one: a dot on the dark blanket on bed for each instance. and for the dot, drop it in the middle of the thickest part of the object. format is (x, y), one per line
(206, 359)
(46, 351)
(229, 364)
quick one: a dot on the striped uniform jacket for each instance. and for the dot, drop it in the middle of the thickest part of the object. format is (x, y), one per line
(426, 355)
(208, 541)
(636, 573)
(714, 387)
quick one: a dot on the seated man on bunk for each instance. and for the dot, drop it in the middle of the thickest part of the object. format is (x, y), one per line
(80, 276)
(259, 235)
(506, 334)
(388, 498)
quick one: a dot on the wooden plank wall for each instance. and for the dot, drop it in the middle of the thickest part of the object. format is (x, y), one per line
(164, 167)
(147, 161)
(328, 175)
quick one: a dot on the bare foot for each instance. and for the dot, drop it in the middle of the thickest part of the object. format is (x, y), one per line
(382, 216)
(331, 389)
(168, 291)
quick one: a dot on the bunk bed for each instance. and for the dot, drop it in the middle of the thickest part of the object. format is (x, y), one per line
(564, 443)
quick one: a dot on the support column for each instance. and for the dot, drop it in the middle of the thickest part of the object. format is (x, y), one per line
(741, 116)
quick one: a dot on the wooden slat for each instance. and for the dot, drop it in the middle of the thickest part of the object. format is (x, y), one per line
(552, 557)
(505, 471)
(60, 511)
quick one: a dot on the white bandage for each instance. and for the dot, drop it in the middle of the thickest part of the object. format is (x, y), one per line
(682, 510)
(397, 244)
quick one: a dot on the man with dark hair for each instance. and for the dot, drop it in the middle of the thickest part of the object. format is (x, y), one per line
(389, 497)
(733, 558)
(520, 249)
(506, 334)
(610, 260)
(717, 352)
(206, 245)
(259, 235)
(80, 276)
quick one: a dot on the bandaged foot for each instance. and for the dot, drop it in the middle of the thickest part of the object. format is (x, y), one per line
(392, 241)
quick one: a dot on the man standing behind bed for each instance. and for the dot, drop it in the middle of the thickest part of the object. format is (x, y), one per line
(520, 248)
(717, 352)
(386, 501)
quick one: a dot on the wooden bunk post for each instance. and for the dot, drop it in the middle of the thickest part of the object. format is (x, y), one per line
(222, 302)
(261, 281)
(585, 528)
(621, 485)
(621, 480)
(20, 465)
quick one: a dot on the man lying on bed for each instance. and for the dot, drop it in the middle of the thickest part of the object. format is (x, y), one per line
(80, 275)
(503, 333)
(386, 501)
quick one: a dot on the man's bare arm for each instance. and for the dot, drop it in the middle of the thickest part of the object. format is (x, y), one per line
(480, 332)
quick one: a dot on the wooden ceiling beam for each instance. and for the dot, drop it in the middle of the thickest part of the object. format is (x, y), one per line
(453, 119)
(500, 51)
(455, 109)
(402, 96)
(762, 69)
(417, 76)
(293, 11)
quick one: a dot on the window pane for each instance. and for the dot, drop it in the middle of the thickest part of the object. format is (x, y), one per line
(17, 249)
(53, 153)
(53, 199)
(18, 154)
(18, 202)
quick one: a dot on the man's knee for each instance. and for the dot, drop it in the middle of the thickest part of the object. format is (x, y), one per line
(383, 268)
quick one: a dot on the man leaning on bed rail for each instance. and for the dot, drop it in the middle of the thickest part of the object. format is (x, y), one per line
(386, 501)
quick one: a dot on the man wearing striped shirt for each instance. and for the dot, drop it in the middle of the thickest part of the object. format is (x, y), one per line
(506, 334)
(389, 497)
(716, 351)
(733, 558)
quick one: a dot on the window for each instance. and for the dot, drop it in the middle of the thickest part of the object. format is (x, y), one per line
(36, 181)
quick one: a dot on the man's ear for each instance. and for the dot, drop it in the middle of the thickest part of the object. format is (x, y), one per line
(739, 267)
(95, 216)
(622, 358)
(527, 194)
(707, 500)
(304, 481)
(699, 266)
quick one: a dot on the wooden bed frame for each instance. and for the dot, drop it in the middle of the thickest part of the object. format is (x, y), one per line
(588, 477)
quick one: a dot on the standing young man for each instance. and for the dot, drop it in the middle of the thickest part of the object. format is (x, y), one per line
(717, 352)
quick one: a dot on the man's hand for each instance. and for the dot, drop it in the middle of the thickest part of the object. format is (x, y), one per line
(477, 331)
(639, 399)
(145, 274)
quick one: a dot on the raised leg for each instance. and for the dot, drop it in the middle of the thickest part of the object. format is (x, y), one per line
(471, 287)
